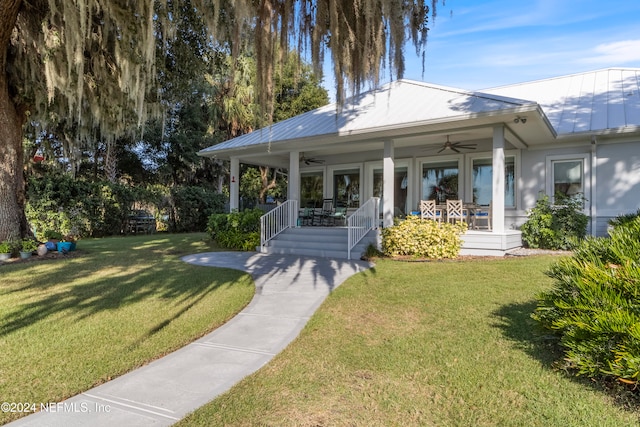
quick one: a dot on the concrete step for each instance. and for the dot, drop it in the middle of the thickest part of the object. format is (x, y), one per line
(326, 242)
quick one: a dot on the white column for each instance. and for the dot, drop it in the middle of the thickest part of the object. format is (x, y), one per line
(497, 213)
(234, 185)
(388, 172)
(293, 182)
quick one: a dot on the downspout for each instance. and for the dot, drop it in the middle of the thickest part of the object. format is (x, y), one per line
(594, 161)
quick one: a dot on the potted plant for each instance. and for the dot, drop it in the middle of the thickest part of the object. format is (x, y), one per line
(27, 248)
(5, 251)
(71, 239)
(52, 238)
(67, 244)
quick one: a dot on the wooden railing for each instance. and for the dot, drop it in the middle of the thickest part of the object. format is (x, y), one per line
(361, 222)
(277, 220)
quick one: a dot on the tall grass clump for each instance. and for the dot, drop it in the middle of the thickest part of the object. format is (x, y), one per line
(593, 307)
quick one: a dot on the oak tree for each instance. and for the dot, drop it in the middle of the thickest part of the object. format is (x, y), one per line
(89, 66)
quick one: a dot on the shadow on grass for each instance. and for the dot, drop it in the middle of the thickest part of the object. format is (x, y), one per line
(517, 325)
(90, 297)
(109, 274)
(130, 270)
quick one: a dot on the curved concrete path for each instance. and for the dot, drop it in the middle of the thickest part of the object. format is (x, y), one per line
(288, 291)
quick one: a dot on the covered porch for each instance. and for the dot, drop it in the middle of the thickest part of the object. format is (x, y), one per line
(403, 143)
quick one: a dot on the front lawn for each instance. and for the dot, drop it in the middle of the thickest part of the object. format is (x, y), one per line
(69, 324)
(422, 343)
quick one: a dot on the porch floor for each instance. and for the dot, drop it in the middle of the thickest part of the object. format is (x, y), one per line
(490, 243)
(474, 242)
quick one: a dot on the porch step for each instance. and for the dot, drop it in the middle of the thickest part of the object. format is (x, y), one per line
(326, 242)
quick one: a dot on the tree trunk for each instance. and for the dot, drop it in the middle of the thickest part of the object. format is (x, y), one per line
(111, 162)
(13, 222)
(267, 184)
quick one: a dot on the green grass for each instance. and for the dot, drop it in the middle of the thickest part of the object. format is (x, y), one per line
(433, 344)
(69, 324)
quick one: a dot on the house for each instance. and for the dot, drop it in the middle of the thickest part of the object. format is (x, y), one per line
(407, 141)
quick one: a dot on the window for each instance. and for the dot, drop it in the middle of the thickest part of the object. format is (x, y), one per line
(346, 188)
(440, 181)
(568, 178)
(483, 181)
(311, 189)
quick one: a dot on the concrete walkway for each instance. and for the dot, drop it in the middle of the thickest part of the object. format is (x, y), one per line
(288, 291)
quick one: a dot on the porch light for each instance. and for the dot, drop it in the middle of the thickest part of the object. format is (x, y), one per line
(519, 119)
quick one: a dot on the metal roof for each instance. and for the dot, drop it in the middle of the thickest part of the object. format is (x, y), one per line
(400, 104)
(600, 101)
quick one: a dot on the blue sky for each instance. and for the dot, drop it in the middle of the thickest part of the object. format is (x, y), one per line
(476, 44)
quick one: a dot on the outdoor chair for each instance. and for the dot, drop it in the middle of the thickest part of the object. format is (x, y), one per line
(339, 216)
(323, 216)
(428, 210)
(482, 213)
(306, 216)
(456, 211)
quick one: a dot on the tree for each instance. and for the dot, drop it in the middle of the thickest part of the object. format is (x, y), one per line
(90, 65)
(83, 67)
(234, 109)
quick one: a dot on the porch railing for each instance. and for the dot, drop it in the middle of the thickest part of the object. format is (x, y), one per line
(277, 220)
(361, 222)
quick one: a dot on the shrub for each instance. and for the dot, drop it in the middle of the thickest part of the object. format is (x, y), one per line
(236, 230)
(192, 206)
(593, 307)
(624, 219)
(423, 238)
(80, 207)
(559, 226)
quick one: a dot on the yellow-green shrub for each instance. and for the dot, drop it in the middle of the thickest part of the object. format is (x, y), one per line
(423, 238)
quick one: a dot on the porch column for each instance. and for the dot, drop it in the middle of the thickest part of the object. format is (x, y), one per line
(293, 181)
(388, 171)
(234, 185)
(497, 204)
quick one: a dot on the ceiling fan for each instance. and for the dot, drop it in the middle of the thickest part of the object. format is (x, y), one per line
(310, 160)
(457, 146)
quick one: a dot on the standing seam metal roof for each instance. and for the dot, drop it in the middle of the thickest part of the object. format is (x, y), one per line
(400, 103)
(595, 101)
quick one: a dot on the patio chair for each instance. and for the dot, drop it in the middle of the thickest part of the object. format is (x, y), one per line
(428, 210)
(482, 213)
(306, 216)
(456, 211)
(323, 216)
(340, 215)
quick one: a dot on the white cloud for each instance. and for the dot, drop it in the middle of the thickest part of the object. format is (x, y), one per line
(614, 53)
